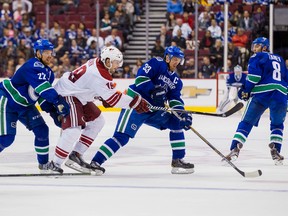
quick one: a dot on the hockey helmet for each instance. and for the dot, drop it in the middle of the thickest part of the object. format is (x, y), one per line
(43, 44)
(264, 42)
(113, 54)
(174, 51)
(238, 72)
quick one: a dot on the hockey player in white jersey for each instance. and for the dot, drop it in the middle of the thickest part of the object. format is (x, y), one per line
(93, 80)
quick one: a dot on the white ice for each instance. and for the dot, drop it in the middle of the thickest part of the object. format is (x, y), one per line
(138, 182)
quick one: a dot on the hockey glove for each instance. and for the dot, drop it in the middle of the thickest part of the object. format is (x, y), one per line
(158, 96)
(139, 104)
(185, 121)
(62, 107)
(104, 103)
(57, 118)
(243, 95)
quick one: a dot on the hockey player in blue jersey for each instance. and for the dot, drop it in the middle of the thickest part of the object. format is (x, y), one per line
(235, 81)
(265, 88)
(18, 95)
(158, 83)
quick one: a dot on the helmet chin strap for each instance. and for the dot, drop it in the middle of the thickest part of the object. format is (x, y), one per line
(109, 68)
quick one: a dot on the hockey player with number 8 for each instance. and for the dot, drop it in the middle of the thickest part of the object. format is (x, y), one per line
(81, 87)
(265, 88)
(158, 83)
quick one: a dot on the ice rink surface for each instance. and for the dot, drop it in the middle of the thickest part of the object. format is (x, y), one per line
(138, 182)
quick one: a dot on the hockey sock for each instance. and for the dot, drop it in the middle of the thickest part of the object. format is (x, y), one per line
(241, 134)
(41, 143)
(177, 142)
(6, 141)
(89, 133)
(276, 136)
(65, 144)
(110, 147)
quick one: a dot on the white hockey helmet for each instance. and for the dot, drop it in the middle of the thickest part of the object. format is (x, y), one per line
(113, 54)
(238, 72)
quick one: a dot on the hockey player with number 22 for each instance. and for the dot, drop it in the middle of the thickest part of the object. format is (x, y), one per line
(158, 83)
(265, 88)
(32, 82)
(81, 87)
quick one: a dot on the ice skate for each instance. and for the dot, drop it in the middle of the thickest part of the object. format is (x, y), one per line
(276, 157)
(96, 169)
(44, 168)
(179, 166)
(55, 168)
(233, 155)
(50, 167)
(76, 162)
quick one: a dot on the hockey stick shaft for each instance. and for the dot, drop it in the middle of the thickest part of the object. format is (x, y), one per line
(244, 174)
(43, 174)
(234, 109)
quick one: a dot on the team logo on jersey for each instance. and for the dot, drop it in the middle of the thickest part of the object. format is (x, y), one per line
(13, 124)
(38, 64)
(194, 91)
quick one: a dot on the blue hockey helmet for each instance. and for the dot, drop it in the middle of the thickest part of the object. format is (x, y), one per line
(43, 44)
(264, 42)
(174, 51)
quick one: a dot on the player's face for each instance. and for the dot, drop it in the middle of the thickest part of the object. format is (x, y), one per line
(46, 56)
(256, 48)
(114, 65)
(174, 62)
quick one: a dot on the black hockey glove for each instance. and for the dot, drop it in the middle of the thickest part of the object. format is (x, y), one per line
(62, 107)
(243, 95)
(186, 121)
(56, 117)
(158, 96)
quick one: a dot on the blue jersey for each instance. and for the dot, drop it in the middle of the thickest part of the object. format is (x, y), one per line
(236, 80)
(266, 73)
(155, 73)
(30, 82)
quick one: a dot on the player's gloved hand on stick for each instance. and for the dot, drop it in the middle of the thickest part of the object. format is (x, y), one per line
(56, 117)
(139, 104)
(158, 96)
(62, 107)
(243, 95)
(104, 103)
(186, 121)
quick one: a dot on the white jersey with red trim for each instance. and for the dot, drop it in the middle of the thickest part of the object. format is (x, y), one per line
(92, 81)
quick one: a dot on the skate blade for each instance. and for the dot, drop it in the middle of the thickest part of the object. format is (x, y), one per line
(177, 170)
(278, 162)
(71, 164)
(97, 172)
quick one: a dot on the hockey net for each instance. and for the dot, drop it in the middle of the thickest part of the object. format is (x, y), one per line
(221, 86)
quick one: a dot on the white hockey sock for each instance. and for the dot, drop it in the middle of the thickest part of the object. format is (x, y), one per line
(65, 144)
(89, 133)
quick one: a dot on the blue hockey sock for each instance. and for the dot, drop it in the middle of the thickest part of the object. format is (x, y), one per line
(41, 143)
(177, 141)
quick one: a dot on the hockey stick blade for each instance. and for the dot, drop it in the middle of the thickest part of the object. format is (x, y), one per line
(234, 109)
(244, 174)
(43, 174)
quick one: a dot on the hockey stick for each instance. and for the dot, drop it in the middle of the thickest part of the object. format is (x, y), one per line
(43, 174)
(234, 109)
(244, 174)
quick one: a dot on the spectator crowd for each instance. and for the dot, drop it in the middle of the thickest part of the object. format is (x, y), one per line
(75, 42)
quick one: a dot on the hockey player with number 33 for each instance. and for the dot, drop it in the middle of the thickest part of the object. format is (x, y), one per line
(158, 83)
(81, 87)
(265, 88)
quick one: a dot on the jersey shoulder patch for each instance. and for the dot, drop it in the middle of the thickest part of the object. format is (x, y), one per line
(38, 64)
